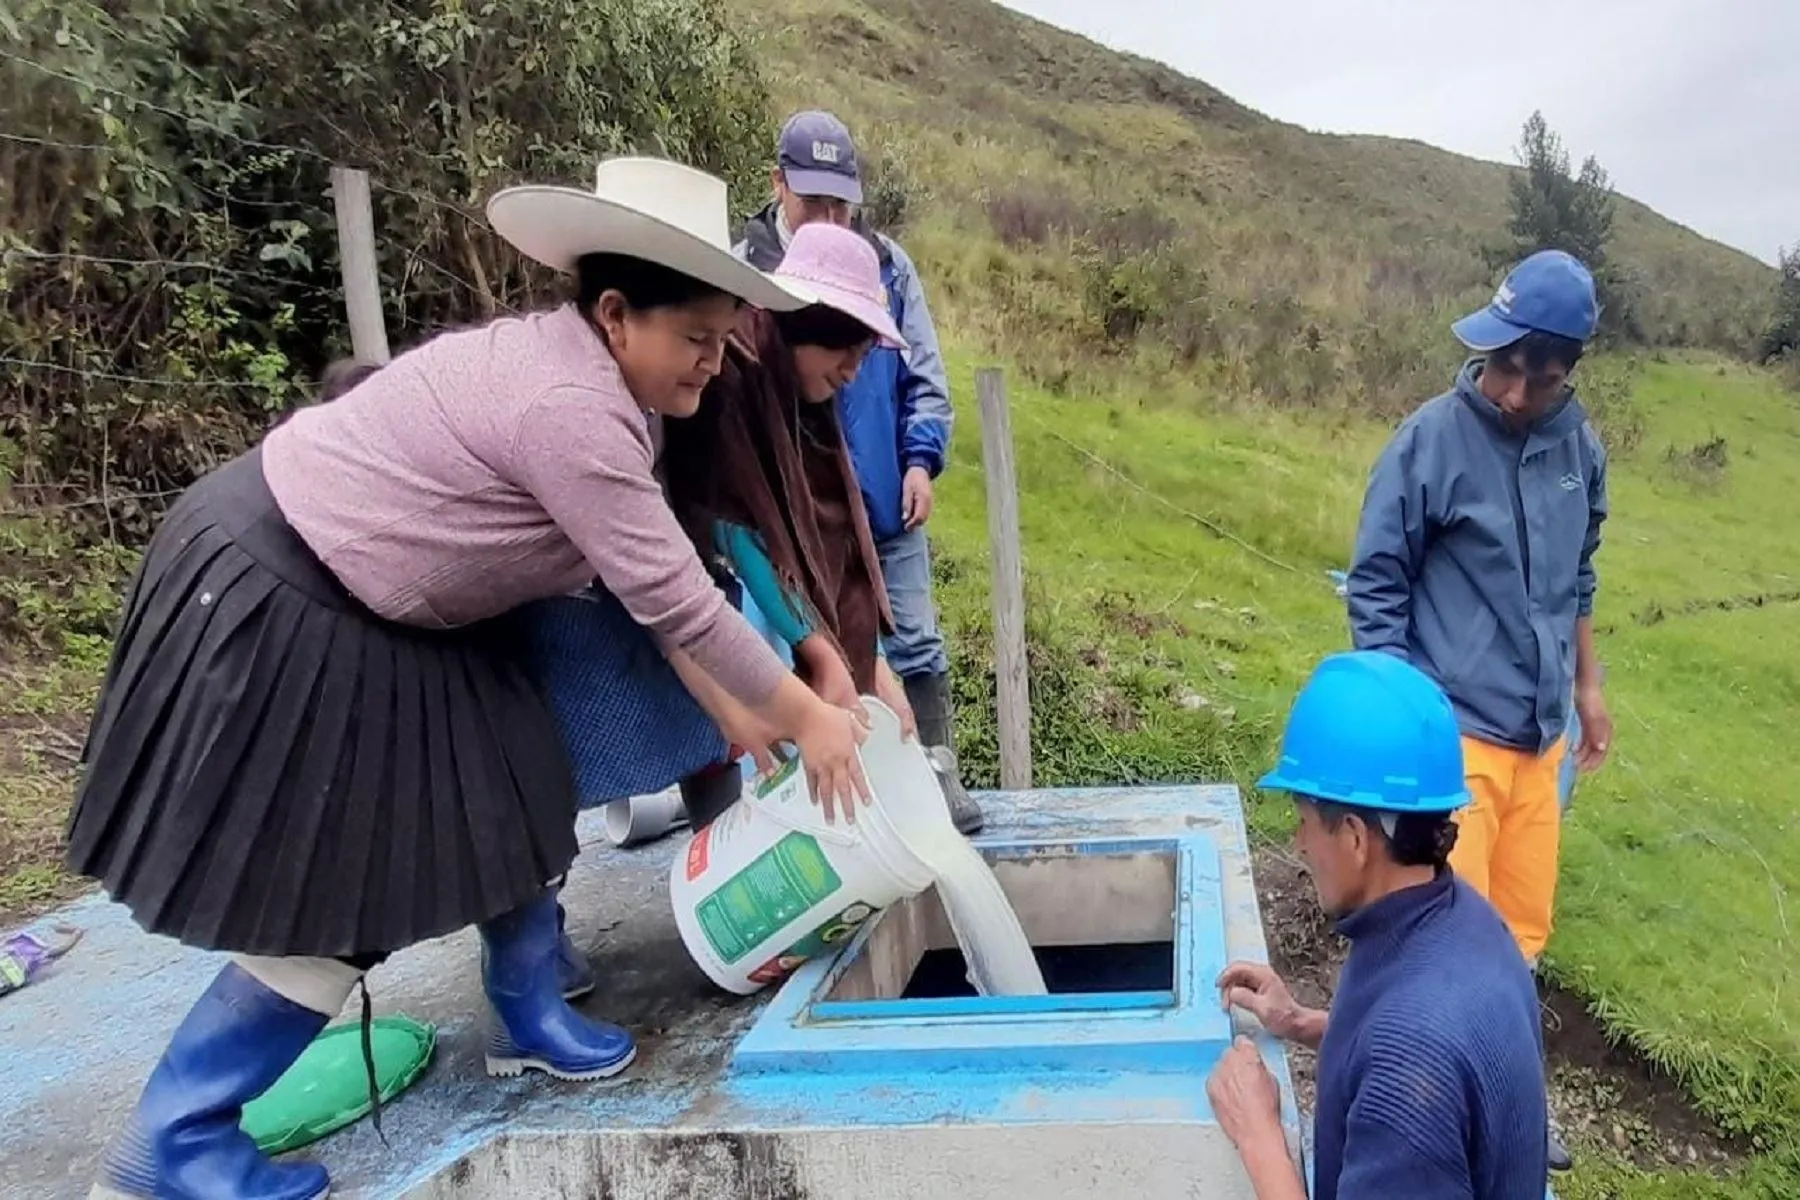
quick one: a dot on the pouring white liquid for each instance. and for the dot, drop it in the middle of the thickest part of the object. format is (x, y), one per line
(770, 883)
(999, 956)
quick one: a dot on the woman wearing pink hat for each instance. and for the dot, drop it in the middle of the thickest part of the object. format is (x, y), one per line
(761, 477)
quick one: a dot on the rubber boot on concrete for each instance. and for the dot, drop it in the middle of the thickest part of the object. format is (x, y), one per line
(574, 975)
(534, 1028)
(183, 1141)
(709, 791)
(929, 696)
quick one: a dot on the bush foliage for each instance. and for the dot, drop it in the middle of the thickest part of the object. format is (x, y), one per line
(1781, 340)
(170, 269)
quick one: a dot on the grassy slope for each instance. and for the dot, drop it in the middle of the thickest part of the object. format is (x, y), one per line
(1677, 915)
(1163, 650)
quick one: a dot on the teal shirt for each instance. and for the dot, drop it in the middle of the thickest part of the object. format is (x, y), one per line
(788, 614)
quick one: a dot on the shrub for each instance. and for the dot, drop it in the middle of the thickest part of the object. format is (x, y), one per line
(1781, 337)
(180, 271)
(1702, 465)
(891, 191)
(1030, 216)
(1605, 386)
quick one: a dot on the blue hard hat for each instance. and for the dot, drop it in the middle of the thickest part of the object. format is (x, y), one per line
(1372, 730)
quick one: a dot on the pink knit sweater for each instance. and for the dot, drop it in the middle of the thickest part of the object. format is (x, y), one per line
(498, 465)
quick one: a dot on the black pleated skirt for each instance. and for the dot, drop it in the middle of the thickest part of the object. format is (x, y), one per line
(272, 769)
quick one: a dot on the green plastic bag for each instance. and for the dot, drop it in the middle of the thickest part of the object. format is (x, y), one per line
(327, 1088)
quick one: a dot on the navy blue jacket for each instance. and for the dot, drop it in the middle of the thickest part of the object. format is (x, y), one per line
(1431, 1079)
(1475, 557)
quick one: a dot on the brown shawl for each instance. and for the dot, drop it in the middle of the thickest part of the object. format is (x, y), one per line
(760, 456)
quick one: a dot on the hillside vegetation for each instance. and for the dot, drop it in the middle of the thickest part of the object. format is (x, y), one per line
(1097, 203)
(1209, 321)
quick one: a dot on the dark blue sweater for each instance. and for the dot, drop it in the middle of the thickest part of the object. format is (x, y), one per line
(1431, 1078)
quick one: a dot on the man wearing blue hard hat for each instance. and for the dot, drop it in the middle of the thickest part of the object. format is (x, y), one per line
(1474, 562)
(1429, 1076)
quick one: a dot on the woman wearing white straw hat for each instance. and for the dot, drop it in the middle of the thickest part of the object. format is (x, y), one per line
(315, 747)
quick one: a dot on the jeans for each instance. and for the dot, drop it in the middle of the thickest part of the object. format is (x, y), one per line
(917, 647)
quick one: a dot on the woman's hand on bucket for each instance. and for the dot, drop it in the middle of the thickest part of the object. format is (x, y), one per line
(827, 745)
(827, 737)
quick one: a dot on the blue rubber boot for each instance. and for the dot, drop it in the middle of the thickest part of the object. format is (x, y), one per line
(183, 1141)
(574, 976)
(534, 1027)
(573, 973)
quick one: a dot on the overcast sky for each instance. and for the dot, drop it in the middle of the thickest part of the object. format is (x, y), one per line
(1693, 107)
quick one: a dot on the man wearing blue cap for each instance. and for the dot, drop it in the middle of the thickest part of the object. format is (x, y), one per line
(1429, 1076)
(896, 417)
(1475, 562)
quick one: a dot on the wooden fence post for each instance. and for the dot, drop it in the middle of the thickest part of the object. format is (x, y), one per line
(362, 272)
(1014, 688)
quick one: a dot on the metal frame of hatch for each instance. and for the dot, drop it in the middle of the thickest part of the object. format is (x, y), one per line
(800, 1031)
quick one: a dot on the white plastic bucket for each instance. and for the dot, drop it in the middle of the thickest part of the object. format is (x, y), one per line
(644, 818)
(769, 884)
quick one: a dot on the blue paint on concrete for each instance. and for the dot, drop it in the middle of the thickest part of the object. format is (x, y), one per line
(76, 1045)
(945, 1008)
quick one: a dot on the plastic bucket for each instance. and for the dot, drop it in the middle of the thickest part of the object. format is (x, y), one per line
(769, 884)
(644, 818)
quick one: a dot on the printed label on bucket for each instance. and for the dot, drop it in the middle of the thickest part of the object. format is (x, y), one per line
(697, 855)
(833, 931)
(782, 774)
(777, 887)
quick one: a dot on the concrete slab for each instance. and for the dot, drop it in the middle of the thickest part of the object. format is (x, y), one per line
(76, 1045)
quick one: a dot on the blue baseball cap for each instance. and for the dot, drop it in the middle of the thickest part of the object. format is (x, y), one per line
(817, 157)
(1550, 292)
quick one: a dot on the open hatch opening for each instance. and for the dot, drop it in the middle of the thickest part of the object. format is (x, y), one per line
(1098, 923)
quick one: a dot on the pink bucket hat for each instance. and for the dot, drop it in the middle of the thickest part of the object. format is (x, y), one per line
(840, 268)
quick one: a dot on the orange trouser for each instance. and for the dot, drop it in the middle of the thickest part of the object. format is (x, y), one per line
(1508, 838)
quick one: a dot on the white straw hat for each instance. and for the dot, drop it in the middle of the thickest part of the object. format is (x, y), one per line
(649, 208)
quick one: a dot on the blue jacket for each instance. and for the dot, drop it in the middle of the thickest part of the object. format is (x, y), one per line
(896, 412)
(1475, 557)
(1430, 1078)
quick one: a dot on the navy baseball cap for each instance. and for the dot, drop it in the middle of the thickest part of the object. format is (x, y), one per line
(1550, 292)
(817, 157)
